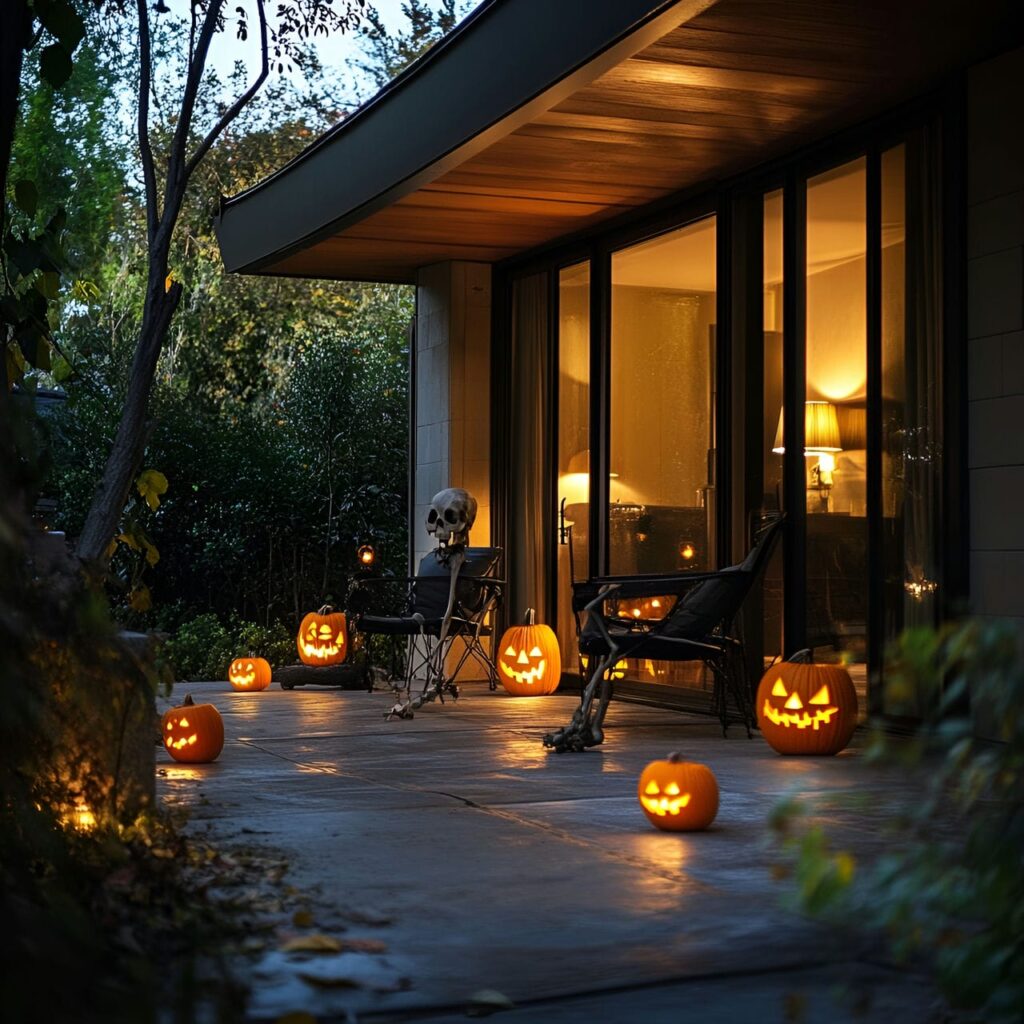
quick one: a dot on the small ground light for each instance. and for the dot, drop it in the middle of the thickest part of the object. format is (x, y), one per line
(687, 551)
(366, 555)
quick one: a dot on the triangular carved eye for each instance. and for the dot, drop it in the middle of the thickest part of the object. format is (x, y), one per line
(779, 689)
(652, 789)
(536, 653)
(510, 651)
(672, 789)
(821, 697)
(794, 703)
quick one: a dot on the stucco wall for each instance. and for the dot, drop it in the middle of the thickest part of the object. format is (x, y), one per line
(453, 389)
(995, 313)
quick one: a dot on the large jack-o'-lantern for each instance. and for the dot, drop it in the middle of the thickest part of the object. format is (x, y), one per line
(806, 708)
(249, 673)
(529, 662)
(323, 638)
(678, 795)
(193, 733)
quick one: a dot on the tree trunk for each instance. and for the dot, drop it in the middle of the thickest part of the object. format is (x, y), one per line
(126, 453)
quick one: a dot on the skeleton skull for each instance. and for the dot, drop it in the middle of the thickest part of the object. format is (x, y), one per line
(451, 516)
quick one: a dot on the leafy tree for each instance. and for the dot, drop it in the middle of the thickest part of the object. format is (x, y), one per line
(387, 54)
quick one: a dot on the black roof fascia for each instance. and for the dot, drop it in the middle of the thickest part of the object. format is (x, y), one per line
(509, 61)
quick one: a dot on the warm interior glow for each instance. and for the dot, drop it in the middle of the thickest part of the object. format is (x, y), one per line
(821, 430)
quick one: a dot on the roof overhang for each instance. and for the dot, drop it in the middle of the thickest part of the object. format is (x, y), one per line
(536, 119)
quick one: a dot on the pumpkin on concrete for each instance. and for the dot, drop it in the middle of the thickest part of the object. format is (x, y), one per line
(193, 733)
(529, 661)
(323, 637)
(806, 708)
(678, 795)
(249, 673)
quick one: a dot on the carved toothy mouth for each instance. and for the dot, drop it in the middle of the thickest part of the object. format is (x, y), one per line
(664, 805)
(527, 677)
(804, 720)
(318, 650)
(240, 679)
(183, 741)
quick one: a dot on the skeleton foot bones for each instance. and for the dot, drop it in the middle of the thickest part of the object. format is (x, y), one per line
(576, 736)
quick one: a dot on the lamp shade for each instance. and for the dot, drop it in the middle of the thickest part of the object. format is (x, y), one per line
(580, 463)
(821, 429)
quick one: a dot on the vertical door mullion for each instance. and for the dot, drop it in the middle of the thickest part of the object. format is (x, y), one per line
(876, 538)
(794, 377)
(554, 440)
(723, 480)
(600, 403)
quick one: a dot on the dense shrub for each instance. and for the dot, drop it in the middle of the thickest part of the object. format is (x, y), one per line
(202, 648)
(950, 886)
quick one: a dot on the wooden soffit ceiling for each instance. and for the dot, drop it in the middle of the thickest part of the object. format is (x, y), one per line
(715, 88)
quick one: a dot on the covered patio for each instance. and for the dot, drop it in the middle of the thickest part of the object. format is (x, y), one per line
(472, 860)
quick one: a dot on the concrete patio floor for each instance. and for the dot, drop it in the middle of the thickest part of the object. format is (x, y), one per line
(481, 861)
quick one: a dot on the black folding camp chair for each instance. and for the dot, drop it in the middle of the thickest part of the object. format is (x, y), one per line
(420, 610)
(678, 617)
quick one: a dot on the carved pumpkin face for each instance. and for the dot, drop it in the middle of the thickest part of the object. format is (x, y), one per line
(529, 662)
(193, 733)
(803, 708)
(249, 673)
(323, 638)
(678, 795)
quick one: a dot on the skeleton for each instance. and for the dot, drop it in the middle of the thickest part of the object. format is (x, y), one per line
(451, 516)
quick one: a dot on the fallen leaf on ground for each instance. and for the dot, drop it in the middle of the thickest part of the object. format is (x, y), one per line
(302, 919)
(312, 944)
(363, 946)
(328, 980)
(486, 1002)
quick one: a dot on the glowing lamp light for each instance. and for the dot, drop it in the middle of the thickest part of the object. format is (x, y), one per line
(821, 430)
(687, 551)
(79, 817)
(366, 555)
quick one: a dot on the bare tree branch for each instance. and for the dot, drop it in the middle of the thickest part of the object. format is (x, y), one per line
(145, 150)
(176, 175)
(236, 108)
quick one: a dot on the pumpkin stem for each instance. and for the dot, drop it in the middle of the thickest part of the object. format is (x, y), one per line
(675, 757)
(188, 701)
(530, 617)
(805, 657)
(325, 609)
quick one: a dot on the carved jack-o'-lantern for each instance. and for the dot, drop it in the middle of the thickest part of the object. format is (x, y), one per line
(193, 732)
(529, 662)
(249, 673)
(678, 795)
(804, 708)
(323, 639)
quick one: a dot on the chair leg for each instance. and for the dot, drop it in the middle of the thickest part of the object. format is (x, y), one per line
(585, 728)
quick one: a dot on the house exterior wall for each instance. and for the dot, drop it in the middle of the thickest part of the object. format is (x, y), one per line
(995, 329)
(453, 389)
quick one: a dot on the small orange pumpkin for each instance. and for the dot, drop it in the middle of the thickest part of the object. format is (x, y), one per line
(323, 637)
(249, 673)
(678, 795)
(806, 708)
(529, 661)
(193, 733)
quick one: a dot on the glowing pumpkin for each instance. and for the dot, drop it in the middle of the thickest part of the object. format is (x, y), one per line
(678, 795)
(805, 708)
(193, 733)
(529, 662)
(323, 638)
(249, 673)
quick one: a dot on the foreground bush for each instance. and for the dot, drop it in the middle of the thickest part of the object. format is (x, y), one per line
(950, 888)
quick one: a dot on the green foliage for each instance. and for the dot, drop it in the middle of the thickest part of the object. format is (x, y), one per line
(951, 885)
(202, 648)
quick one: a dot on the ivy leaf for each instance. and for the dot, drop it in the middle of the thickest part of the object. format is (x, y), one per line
(61, 369)
(55, 64)
(26, 196)
(151, 484)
